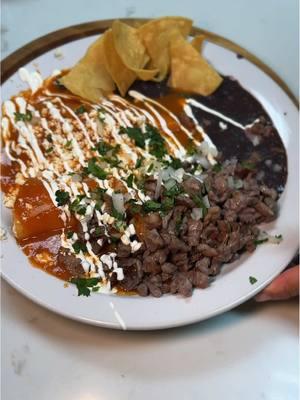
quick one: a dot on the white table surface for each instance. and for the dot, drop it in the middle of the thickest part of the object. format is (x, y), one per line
(250, 352)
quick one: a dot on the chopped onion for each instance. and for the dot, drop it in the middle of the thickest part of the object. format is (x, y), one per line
(203, 162)
(196, 214)
(230, 182)
(118, 202)
(170, 183)
(206, 201)
(158, 185)
(238, 184)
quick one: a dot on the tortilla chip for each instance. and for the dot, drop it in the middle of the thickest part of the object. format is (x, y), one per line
(89, 78)
(197, 42)
(190, 72)
(157, 35)
(122, 76)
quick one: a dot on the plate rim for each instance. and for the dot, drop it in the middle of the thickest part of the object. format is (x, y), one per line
(66, 35)
(42, 44)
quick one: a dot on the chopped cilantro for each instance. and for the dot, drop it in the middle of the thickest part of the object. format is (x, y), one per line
(252, 280)
(136, 135)
(129, 180)
(108, 153)
(70, 234)
(167, 204)
(98, 231)
(80, 110)
(217, 167)
(62, 197)
(139, 162)
(279, 237)
(151, 205)
(79, 246)
(120, 225)
(95, 170)
(156, 142)
(84, 285)
(150, 168)
(175, 163)
(23, 117)
(117, 215)
(49, 150)
(49, 138)
(198, 200)
(174, 191)
(191, 148)
(68, 144)
(77, 207)
(260, 241)
(95, 289)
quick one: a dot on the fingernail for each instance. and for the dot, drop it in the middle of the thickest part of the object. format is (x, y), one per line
(263, 297)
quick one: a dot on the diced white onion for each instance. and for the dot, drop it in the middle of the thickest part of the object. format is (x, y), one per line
(206, 201)
(196, 214)
(118, 202)
(170, 183)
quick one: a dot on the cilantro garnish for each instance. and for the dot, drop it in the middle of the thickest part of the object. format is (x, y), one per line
(77, 207)
(98, 231)
(129, 180)
(23, 117)
(191, 148)
(217, 167)
(198, 200)
(151, 205)
(150, 168)
(156, 142)
(117, 215)
(62, 197)
(68, 144)
(252, 280)
(84, 286)
(49, 138)
(260, 241)
(95, 170)
(80, 110)
(79, 246)
(139, 162)
(70, 234)
(278, 237)
(108, 153)
(49, 150)
(136, 135)
(103, 148)
(175, 163)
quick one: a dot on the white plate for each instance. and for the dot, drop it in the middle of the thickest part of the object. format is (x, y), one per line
(232, 286)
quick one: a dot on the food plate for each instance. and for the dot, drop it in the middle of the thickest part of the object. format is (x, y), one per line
(232, 286)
